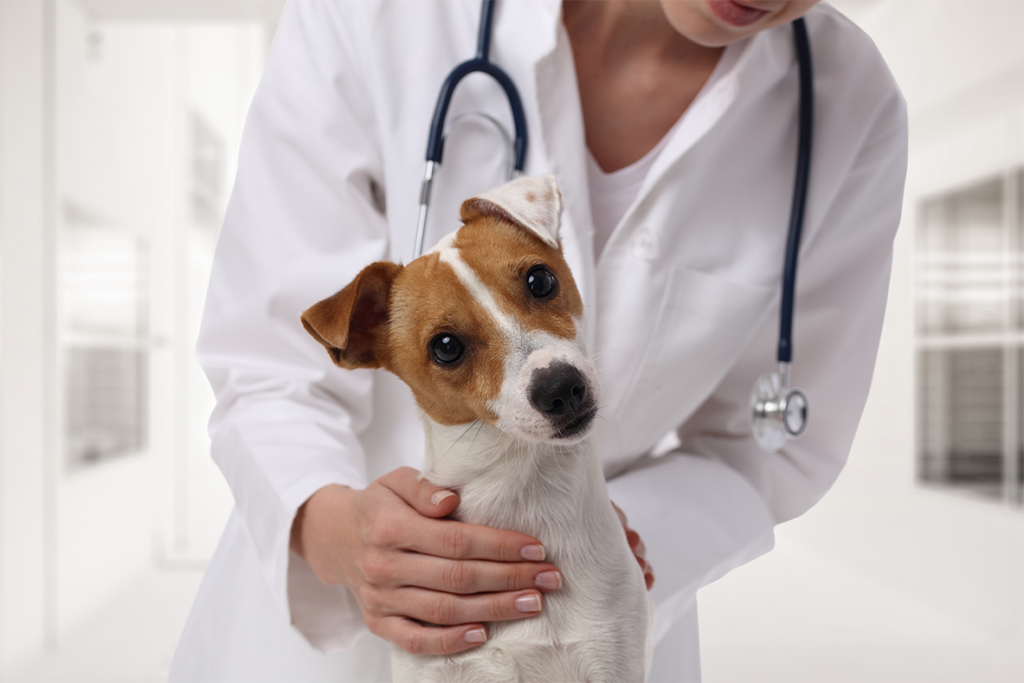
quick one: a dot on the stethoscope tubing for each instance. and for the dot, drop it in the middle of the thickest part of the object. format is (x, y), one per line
(770, 409)
(482, 64)
(800, 185)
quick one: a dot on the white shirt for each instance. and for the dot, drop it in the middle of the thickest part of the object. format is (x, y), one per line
(681, 306)
(612, 193)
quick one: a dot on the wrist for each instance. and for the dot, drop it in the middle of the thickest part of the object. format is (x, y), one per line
(327, 500)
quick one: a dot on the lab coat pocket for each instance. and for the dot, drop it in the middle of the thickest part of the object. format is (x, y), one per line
(703, 324)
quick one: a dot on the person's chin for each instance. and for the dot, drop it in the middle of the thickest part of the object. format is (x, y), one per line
(736, 14)
(699, 22)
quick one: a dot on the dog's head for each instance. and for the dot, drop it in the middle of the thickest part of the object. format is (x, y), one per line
(486, 326)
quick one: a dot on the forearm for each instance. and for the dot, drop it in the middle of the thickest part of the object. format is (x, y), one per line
(698, 519)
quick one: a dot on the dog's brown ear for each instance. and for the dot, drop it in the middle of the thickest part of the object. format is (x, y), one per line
(352, 324)
(531, 203)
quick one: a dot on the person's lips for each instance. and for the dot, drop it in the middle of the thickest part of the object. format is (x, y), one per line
(734, 13)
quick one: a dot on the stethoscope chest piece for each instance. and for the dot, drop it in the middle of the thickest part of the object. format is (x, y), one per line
(779, 412)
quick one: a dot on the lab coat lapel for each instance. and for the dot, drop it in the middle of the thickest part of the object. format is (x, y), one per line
(761, 64)
(691, 325)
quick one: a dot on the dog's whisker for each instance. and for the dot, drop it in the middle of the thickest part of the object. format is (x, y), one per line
(427, 411)
(471, 425)
(473, 443)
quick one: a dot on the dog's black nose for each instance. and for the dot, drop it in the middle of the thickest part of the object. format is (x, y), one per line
(558, 389)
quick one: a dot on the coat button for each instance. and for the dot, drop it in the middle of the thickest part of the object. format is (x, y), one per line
(646, 244)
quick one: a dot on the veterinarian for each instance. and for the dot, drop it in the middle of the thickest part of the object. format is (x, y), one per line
(671, 128)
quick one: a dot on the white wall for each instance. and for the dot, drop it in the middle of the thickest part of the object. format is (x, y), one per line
(960, 64)
(219, 67)
(93, 114)
(25, 345)
(114, 160)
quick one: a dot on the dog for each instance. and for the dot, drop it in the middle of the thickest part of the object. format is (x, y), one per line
(486, 331)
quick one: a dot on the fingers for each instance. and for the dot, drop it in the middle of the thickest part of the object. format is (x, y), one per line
(464, 576)
(445, 609)
(453, 539)
(460, 541)
(621, 515)
(636, 544)
(400, 608)
(423, 640)
(426, 498)
(641, 557)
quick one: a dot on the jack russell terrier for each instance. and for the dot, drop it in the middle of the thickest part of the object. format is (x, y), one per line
(486, 331)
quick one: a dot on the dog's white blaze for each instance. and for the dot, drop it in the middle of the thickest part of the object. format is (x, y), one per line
(529, 350)
(515, 413)
(444, 243)
(477, 289)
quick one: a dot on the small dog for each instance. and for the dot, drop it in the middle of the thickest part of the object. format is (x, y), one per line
(486, 331)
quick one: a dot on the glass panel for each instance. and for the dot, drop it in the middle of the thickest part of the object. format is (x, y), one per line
(104, 309)
(962, 262)
(1016, 250)
(1015, 492)
(106, 403)
(103, 279)
(961, 418)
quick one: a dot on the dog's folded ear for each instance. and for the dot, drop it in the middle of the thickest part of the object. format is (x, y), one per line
(532, 203)
(352, 324)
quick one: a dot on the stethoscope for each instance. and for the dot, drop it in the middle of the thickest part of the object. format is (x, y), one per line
(778, 411)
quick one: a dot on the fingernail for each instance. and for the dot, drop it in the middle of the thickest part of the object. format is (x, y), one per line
(475, 635)
(436, 500)
(528, 603)
(549, 581)
(534, 553)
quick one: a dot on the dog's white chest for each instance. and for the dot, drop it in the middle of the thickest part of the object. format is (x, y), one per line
(486, 331)
(596, 626)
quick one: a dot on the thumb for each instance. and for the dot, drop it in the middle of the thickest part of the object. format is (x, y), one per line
(425, 497)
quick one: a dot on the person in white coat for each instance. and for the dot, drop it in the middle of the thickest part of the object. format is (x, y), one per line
(671, 128)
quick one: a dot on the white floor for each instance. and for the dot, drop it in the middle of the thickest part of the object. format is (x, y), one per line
(796, 616)
(791, 616)
(131, 641)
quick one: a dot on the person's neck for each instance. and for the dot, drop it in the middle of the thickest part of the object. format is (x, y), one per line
(637, 75)
(626, 30)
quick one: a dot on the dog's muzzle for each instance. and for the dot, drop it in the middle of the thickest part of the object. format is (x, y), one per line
(559, 392)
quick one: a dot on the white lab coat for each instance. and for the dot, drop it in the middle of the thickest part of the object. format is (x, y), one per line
(681, 306)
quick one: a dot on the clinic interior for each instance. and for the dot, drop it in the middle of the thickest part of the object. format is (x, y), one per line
(119, 130)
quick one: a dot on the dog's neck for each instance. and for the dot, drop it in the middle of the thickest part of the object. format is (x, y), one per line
(511, 483)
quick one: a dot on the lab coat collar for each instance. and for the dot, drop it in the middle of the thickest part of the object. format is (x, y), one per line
(766, 58)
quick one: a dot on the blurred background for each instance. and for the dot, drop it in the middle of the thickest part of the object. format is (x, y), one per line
(119, 129)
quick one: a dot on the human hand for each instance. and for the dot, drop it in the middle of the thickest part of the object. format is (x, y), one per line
(637, 546)
(404, 564)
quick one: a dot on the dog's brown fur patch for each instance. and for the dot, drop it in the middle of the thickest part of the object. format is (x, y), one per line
(389, 316)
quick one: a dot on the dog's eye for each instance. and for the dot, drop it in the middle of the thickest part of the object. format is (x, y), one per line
(446, 348)
(541, 282)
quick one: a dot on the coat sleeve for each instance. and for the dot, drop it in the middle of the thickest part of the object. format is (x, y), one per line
(303, 218)
(710, 505)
